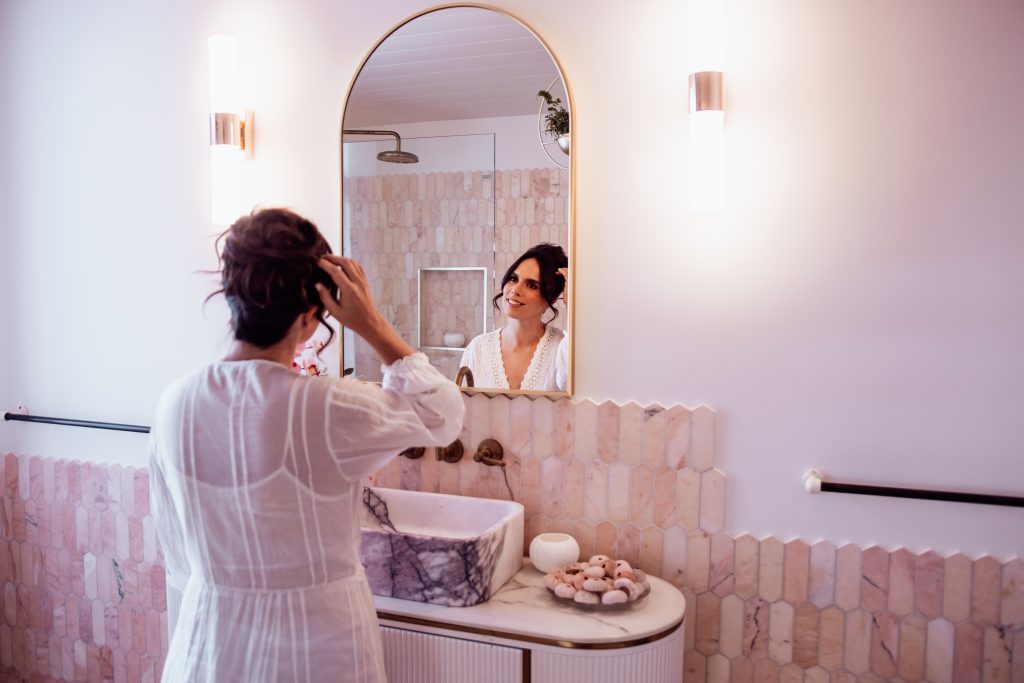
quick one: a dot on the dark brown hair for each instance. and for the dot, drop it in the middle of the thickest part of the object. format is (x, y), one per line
(549, 257)
(268, 267)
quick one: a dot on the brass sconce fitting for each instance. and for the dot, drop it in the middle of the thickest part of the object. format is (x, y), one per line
(451, 453)
(490, 453)
(414, 453)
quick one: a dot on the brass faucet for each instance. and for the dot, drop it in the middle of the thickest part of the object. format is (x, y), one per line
(490, 453)
(464, 373)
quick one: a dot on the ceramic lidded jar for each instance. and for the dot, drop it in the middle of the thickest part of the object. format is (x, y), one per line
(553, 550)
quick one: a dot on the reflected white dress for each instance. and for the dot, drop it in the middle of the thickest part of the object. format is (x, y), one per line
(256, 481)
(547, 371)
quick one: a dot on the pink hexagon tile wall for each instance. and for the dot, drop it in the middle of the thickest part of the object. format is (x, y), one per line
(82, 583)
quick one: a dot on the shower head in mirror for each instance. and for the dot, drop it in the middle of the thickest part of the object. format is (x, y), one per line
(391, 156)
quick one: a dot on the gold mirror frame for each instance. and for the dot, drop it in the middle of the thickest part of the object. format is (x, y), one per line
(570, 209)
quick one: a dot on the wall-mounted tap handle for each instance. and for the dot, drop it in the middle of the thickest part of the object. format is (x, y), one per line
(490, 453)
(464, 373)
(414, 453)
(452, 452)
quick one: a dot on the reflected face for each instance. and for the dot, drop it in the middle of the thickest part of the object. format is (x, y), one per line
(521, 294)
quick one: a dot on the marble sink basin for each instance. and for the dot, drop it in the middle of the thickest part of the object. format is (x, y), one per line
(439, 548)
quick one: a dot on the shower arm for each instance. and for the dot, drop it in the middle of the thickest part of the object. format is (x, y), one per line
(398, 138)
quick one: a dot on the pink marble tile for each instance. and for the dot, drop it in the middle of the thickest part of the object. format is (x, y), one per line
(884, 644)
(110, 630)
(67, 658)
(816, 675)
(708, 623)
(677, 437)
(688, 499)
(698, 551)
(520, 425)
(1012, 607)
(49, 484)
(928, 571)
(606, 539)
(128, 491)
(766, 672)
(585, 431)
(986, 590)
(712, 500)
(695, 668)
(564, 413)
(791, 673)
(796, 571)
(11, 475)
(756, 623)
(901, 582)
(17, 518)
(35, 478)
(702, 439)
(997, 655)
(24, 476)
(530, 482)
(585, 534)
(641, 496)
(89, 572)
(664, 497)
(770, 569)
(805, 635)
(718, 668)
(722, 572)
(608, 432)
(1018, 661)
(747, 560)
(595, 497)
(857, 641)
(821, 581)
(627, 546)
(618, 492)
(967, 652)
(741, 670)
(542, 417)
(654, 434)
(874, 579)
(631, 422)
(114, 487)
(651, 549)
(780, 633)
(912, 639)
(575, 486)
(731, 626)
(674, 556)
(956, 588)
(832, 627)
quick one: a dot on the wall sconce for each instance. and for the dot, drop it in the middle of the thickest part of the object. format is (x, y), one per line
(707, 114)
(231, 133)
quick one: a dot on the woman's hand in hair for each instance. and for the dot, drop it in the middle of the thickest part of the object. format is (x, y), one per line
(354, 308)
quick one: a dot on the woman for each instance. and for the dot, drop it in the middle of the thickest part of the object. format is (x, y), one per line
(256, 470)
(528, 352)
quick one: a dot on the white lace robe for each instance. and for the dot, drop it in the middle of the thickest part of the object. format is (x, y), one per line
(547, 370)
(256, 482)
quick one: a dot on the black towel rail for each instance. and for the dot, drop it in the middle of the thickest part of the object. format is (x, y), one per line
(814, 483)
(20, 417)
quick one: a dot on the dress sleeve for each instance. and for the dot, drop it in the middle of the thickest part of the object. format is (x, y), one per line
(562, 364)
(414, 406)
(167, 520)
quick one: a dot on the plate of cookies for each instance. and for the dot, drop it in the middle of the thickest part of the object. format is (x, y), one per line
(600, 583)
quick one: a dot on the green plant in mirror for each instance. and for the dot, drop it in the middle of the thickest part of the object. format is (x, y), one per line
(557, 119)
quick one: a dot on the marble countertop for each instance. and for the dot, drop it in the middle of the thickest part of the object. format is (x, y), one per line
(524, 608)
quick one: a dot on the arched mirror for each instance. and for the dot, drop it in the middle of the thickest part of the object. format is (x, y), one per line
(453, 167)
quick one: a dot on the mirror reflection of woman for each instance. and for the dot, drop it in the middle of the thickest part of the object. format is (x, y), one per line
(527, 353)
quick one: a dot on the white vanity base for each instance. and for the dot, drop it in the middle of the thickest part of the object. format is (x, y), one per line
(523, 635)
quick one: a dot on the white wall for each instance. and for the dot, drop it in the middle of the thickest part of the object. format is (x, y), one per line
(857, 307)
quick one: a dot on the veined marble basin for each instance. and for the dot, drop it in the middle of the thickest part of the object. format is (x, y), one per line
(444, 549)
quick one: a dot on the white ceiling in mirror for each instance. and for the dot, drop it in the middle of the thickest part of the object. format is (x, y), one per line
(455, 63)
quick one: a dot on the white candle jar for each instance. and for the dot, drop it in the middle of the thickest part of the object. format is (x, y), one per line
(553, 550)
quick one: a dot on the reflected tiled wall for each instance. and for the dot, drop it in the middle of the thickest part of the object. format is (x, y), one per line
(639, 483)
(81, 579)
(400, 223)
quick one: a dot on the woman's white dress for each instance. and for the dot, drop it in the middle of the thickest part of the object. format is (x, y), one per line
(547, 371)
(256, 481)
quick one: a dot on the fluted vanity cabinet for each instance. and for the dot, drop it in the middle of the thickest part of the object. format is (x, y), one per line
(522, 634)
